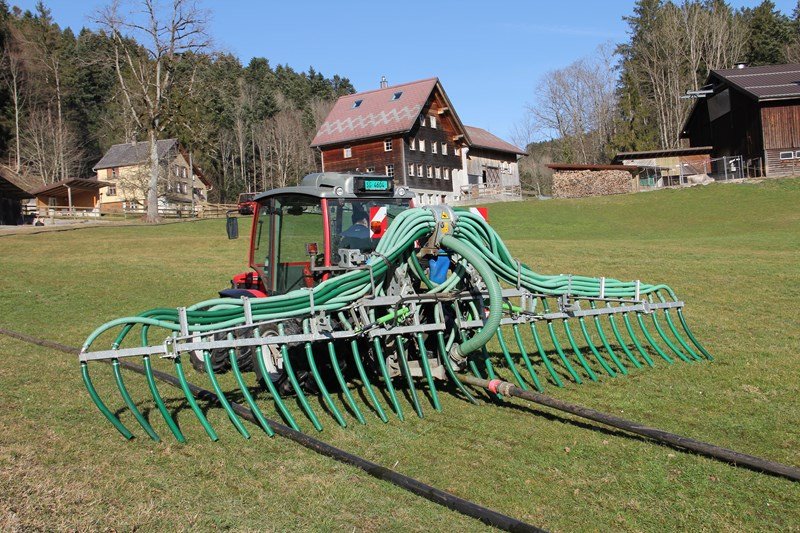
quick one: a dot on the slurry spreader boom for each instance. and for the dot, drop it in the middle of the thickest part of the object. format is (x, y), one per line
(345, 270)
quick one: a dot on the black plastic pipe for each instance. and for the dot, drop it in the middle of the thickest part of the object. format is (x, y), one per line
(703, 448)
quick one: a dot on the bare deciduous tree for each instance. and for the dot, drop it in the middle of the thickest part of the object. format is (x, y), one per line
(48, 148)
(148, 43)
(576, 106)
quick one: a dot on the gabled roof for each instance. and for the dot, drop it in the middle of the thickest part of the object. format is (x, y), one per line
(768, 82)
(483, 139)
(17, 186)
(378, 112)
(135, 153)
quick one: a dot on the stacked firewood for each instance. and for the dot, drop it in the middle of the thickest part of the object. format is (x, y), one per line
(580, 183)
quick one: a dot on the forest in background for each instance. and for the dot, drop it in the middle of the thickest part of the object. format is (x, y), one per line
(62, 106)
(64, 100)
(627, 96)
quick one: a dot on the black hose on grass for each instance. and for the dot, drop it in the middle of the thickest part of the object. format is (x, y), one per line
(703, 448)
(451, 501)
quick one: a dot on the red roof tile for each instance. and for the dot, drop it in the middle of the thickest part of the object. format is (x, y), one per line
(483, 139)
(377, 114)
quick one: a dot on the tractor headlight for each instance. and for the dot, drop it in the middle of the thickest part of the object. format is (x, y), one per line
(339, 191)
(401, 191)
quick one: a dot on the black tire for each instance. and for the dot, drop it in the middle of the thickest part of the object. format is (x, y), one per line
(290, 327)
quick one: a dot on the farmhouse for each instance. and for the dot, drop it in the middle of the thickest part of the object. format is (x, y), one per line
(126, 168)
(412, 132)
(753, 112)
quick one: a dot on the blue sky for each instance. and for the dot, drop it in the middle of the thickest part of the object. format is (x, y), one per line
(488, 54)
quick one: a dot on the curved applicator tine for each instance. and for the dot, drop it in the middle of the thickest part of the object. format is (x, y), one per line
(692, 338)
(578, 352)
(246, 392)
(151, 383)
(403, 357)
(426, 368)
(668, 342)
(345, 390)
(675, 333)
(509, 360)
(221, 396)
(651, 340)
(592, 347)
(376, 344)
(100, 405)
(635, 340)
(620, 341)
(446, 362)
(298, 390)
(546, 360)
(362, 372)
(557, 345)
(123, 391)
(287, 416)
(606, 345)
(192, 403)
(525, 358)
(312, 364)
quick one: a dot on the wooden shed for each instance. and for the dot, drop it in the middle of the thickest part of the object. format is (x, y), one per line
(14, 188)
(753, 112)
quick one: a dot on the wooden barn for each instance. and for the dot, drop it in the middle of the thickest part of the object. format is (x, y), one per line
(753, 112)
(412, 132)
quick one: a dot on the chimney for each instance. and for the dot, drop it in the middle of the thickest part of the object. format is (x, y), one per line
(740, 65)
(384, 83)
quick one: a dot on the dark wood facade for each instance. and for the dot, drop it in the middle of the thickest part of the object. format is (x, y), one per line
(765, 131)
(371, 155)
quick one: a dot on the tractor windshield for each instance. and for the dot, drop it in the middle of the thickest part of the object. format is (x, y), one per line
(360, 223)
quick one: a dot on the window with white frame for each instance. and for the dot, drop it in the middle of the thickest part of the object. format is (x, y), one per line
(438, 173)
(430, 171)
(432, 121)
(422, 145)
(183, 187)
(390, 170)
(111, 190)
(387, 145)
(411, 169)
(420, 171)
(348, 152)
(457, 151)
(444, 148)
(412, 143)
(422, 120)
(786, 155)
(434, 147)
(446, 173)
(797, 154)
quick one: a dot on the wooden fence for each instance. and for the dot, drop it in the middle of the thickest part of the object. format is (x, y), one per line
(74, 212)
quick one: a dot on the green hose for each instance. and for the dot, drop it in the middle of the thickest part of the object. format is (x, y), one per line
(495, 296)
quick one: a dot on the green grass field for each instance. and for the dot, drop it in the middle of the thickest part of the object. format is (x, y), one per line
(732, 252)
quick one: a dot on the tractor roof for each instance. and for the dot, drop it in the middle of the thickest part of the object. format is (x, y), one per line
(324, 185)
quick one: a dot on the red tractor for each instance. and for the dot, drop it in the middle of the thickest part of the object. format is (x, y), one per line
(301, 235)
(246, 204)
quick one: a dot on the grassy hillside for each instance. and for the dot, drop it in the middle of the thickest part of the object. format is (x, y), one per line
(730, 251)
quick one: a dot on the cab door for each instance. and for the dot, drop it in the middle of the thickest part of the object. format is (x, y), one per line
(297, 232)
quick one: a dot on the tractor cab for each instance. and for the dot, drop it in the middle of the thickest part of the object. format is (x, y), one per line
(329, 223)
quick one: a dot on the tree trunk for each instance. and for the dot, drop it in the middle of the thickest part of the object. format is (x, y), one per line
(152, 189)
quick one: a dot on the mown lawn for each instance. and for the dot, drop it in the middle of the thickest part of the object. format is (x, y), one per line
(732, 252)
